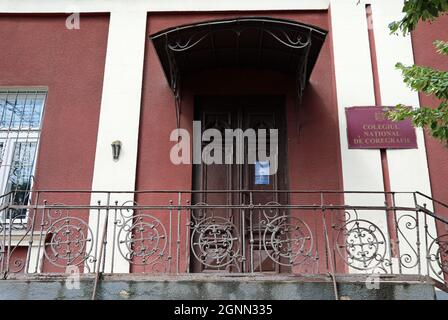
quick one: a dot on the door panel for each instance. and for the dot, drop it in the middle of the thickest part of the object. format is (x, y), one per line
(231, 240)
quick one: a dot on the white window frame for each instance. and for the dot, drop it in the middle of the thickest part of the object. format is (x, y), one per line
(9, 139)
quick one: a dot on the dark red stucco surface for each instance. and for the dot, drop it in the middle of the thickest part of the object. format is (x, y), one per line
(437, 153)
(38, 50)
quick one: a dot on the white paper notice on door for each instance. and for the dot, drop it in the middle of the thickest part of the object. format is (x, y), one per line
(262, 172)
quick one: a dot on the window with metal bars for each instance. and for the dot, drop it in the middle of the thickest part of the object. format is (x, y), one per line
(20, 125)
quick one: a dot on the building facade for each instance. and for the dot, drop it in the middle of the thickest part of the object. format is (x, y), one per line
(104, 109)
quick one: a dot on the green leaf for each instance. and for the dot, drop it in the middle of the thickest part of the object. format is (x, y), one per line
(416, 10)
(442, 47)
(426, 80)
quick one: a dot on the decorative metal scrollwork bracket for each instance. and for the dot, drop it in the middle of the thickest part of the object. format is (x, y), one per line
(297, 41)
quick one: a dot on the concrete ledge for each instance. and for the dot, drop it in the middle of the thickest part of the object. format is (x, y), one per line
(226, 287)
(224, 277)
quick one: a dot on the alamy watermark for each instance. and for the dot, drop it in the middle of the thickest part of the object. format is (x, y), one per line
(72, 282)
(373, 281)
(73, 21)
(228, 146)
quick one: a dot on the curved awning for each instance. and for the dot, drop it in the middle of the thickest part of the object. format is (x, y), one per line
(250, 42)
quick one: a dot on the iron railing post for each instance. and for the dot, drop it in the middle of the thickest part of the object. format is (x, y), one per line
(31, 230)
(397, 239)
(102, 246)
(417, 227)
(251, 231)
(243, 236)
(332, 262)
(187, 235)
(179, 203)
(114, 236)
(170, 236)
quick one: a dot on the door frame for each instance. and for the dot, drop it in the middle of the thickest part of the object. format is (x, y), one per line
(242, 103)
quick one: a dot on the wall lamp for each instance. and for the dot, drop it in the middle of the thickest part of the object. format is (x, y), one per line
(116, 150)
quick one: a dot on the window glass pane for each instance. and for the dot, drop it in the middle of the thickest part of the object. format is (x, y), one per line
(20, 110)
(20, 174)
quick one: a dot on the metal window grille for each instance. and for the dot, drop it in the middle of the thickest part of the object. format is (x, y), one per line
(20, 126)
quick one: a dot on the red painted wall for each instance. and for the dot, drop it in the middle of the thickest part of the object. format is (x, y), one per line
(313, 134)
(38, 50)
(437, 153)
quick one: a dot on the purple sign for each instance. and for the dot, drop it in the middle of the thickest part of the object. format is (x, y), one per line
(368, 128)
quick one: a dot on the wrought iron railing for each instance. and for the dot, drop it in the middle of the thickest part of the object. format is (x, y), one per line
(251, 232)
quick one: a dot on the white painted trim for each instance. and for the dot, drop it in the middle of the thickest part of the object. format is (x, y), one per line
(361, 169)
(354, 85)
(33, 6)
(390, 50)
(408, 169)
(119, 119)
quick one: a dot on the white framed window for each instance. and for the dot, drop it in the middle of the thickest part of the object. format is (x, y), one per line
(21, 113)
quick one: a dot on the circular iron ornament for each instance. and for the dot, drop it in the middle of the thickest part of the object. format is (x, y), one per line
(438, 254)
(288, 240)
(70, 240)
(215, 242)
(361, 244)
(143, 237)
(272, 213)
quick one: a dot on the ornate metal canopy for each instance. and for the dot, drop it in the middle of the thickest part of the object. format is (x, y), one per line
(250, 42)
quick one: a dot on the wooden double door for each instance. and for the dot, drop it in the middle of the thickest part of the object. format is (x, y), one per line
(228, 238)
